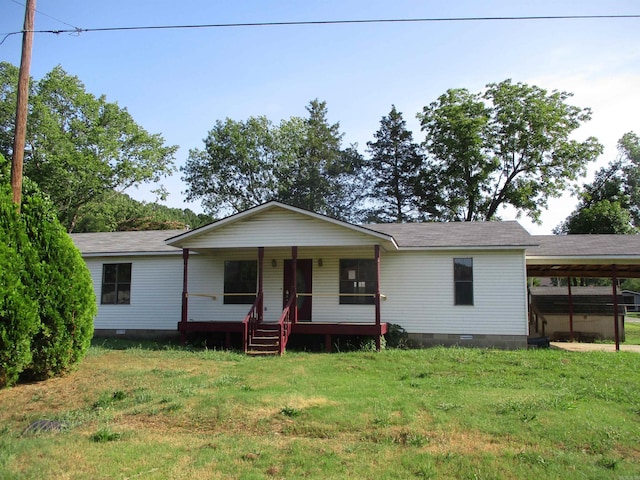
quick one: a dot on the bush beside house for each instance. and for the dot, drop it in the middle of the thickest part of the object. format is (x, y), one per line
(47, 303)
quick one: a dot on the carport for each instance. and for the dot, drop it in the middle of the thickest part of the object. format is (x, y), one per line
(586, 256)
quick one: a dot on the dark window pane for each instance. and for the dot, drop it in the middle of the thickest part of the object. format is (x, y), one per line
(124, 290)
(348, 270)
(463, 269)
(108, 293)
(240, 276)
(358, 276)
(464, 293)
(124, 273)
(110, 273)
(116, 283)
(463, 280)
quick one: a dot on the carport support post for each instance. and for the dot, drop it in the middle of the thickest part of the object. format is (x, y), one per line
(614, 281)
(571, 338)
(185, 295)
(377, 298)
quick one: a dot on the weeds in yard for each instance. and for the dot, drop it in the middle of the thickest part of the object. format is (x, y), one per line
(436, 413)
(290, 412)
(104, 435)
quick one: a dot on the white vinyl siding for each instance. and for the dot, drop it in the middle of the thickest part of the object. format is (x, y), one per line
(423, 300)
(278, 227)
(206, 277)
(156, 289)
(418, 286)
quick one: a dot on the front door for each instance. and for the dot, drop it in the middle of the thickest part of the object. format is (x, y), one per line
(303, 280)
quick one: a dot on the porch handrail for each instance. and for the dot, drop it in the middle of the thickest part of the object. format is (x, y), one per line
(284, 324)
(250, 322)
(333, 294)
(214, 296)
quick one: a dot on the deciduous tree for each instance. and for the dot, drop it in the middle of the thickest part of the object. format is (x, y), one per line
(80, 146)
(611, 202)
(299, 161)
(510, 146)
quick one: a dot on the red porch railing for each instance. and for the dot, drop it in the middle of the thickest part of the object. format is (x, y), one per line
(284, 324)
(251, 321)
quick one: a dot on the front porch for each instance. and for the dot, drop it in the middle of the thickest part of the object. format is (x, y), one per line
(302, 301)
(230, 331)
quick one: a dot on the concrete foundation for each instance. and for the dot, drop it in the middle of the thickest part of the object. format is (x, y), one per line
(505, 342)
(138, 334)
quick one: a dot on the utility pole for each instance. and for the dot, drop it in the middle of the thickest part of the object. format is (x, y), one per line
(22, 103)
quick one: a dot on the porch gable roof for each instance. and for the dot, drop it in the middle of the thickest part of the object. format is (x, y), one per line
(278, 224)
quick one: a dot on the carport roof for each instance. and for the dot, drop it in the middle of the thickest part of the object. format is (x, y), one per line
(584, 256)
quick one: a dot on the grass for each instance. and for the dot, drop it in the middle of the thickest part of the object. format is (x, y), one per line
(632, 333)
(140, 411)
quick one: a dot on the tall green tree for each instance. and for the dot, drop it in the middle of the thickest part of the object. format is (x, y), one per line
(509, 145)
(299, 161)
(322, 177)
(602, 216)
(80, 146)
(393, 169)
(235, 170)
(629, 158)
(459, 164)
(611, 202)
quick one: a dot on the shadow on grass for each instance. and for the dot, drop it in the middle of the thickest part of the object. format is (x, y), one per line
(137, 344)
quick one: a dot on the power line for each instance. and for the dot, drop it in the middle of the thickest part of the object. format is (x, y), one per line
(46, 15)
(78, 30)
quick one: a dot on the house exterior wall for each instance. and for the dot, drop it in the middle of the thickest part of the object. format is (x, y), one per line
(206, 276)
(418, 287)
(156, 289)
(420, 297)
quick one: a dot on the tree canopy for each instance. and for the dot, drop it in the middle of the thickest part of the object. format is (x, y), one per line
(508, 146)
(79, 146)
(299, 161)
(392, 170)
(611, 202)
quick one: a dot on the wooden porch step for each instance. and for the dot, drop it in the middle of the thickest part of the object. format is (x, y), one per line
(265, 340)
(260, 353)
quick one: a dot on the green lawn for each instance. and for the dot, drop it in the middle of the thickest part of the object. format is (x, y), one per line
(434, 413)
(632, 333)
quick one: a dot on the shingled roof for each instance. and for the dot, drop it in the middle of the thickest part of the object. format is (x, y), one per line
(116, 243)
(457, 234)
(585, 246)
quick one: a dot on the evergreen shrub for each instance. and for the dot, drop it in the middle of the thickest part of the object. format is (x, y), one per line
(47, 301)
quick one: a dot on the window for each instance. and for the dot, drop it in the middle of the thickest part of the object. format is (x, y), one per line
(463, 280)
(240, 276)
(358, 276)
(116, 283)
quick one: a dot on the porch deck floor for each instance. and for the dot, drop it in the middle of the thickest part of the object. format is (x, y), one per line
(332, 328)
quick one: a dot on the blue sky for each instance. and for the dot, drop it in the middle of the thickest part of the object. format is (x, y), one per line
(179, 82)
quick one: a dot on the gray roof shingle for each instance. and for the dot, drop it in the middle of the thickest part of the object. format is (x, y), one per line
(457, 234)
(110, 243)
(585, 246)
